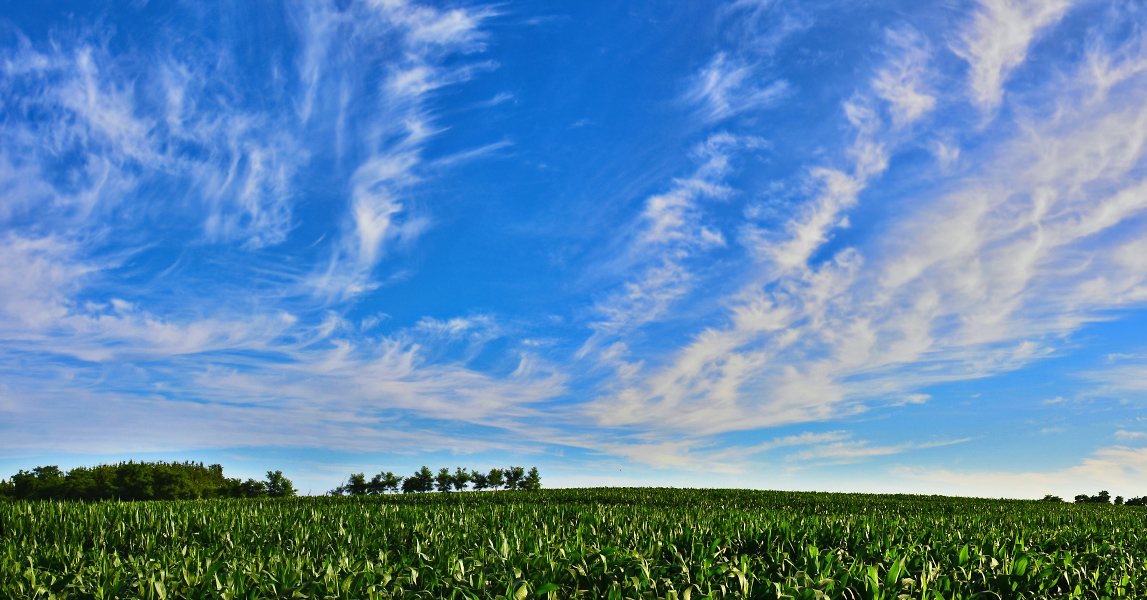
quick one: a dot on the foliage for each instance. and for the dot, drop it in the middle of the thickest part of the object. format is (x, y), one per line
(1050, 498)
(513, 478)
(140, 481)
(595, 543)
(1100, 498)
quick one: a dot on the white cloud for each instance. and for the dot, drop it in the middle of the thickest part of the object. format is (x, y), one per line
(111, 137)
(903, 82)
(1121, 469)
(726, 87)
(997, 40)
(417, 66)
(980, 278)
(668, 233)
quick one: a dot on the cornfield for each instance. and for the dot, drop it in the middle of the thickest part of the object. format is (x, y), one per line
(589, 543)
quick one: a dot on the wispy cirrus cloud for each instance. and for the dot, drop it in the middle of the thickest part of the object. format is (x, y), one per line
(979, 279)
(423, 39)
(998, 40)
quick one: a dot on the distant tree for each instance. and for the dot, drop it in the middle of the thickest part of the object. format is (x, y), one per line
(421, 481)
(461, 477)
(133, 481)
(1050, 498)
(279, 486)
(129, 481)
(532, 480)
(444, 480)
(169, 482)
(7, 490)
(1119, 501)
(495, 478)
(356, 485)
(252, 489)
(481, 481)
(1101, 498)
(1140, 501)
(513, 476)
(383, 482)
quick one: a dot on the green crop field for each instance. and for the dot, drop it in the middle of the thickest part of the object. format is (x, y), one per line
(594, 543)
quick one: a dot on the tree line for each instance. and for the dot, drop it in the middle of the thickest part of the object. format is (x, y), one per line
(140, 481)
(1103, 497)
(425, 480)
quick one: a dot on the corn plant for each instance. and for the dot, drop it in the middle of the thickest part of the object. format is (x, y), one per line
(589, 543)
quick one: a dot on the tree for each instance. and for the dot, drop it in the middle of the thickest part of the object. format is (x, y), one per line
(392, 481)
(421, 481)
(495, 479)
(252, 489)
(444, 480)
(481, 481)
(1119, 501)
(513, 476)
(1140, 501)
(356, 485)
(1050, 498)
(279, 486)
(379, 484)
(130, 481)
(461, 477)
(1101, 498)
(532, 481)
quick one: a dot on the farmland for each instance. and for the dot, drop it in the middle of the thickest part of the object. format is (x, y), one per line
(589, 543)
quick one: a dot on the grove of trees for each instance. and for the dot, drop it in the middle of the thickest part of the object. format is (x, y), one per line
(140, 481)
(425, 480)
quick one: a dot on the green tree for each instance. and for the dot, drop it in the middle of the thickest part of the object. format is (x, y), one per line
(252, 489)
(495, 478)
(279, 486)
(513, 476)
(444, 480)
(460, 478)
(532, 480)
(481, 481)
(357, 485)
(421, 481)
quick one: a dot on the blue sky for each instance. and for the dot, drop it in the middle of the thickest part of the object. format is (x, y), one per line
(794, 245)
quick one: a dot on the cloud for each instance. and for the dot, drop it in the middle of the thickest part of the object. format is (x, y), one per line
(848, 452)
(982, 276)
(115, 161)
(997, 40)
(903, 82)
(668, 233)
(417, 65)
(725, 88)
(1112, 468)
(107, 130)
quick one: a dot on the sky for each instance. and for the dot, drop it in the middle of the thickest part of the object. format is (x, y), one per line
(840, 246)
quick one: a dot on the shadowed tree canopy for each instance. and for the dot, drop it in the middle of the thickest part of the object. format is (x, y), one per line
(140, 481)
